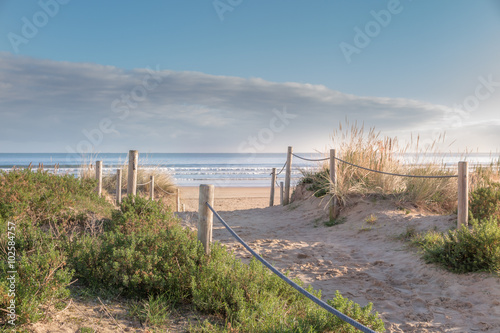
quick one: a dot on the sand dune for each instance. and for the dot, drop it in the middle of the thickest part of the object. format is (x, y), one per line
(364, 261)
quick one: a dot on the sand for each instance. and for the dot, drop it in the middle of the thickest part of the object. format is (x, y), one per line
(366, 262)
(230, 198)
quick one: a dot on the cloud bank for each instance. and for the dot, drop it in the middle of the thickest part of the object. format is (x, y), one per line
(49, 106)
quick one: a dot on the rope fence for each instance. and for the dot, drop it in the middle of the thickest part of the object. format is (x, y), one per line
(462, 178)
(283, 168)
(132, 181)
(169, 193)
(301, 290)
(373, 170)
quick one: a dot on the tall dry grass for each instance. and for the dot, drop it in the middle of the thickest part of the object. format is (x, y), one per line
(367, 148)
(164, 182)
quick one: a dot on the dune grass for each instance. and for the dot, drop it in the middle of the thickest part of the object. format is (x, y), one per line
(368, 149)
(164, 182)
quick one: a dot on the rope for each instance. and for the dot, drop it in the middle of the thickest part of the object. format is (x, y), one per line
(311, 160)
(313, 298)
(144, 184)
(394, 174)
(283, 168)
(165, 191)
(382, 172)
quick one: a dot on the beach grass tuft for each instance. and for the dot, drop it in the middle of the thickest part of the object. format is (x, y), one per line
(368, 149)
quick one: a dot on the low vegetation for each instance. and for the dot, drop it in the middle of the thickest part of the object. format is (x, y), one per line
(139, 251)
(472, 248)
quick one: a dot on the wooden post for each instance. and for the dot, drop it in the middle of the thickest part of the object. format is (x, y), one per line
(183, 208)
(273, 181)
(133, 161)
(286, 199)
(178, 200)
(281, 193)
(333, 182)
(98, 176)
(152, 187)
(118, 186)
(205, 216)
(463, 194)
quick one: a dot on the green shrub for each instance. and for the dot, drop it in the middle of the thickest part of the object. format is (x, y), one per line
(42, 206)
(139, 264)
(485, 202)
(467, 249)
(46, 199)
(147, 253)
(42, 275)
(250, 298)
(138, 213)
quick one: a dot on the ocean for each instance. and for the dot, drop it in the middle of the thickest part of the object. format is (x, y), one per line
(192, 169)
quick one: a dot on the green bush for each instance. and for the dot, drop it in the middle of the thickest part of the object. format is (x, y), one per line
(43, 198)
(139, 264)
(43, 206)
(467, 249)
(252, 299)
(485, 202)
(42, 275)
(146, 254)
(141, 214)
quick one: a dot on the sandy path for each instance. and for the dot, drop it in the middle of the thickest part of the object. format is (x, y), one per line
(364, 261)
(230, 198)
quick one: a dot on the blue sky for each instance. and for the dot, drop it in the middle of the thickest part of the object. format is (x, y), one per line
(222, 73)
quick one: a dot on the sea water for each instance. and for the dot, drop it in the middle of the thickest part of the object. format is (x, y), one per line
(220, 169)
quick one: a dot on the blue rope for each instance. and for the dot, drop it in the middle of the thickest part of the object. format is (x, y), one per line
(312, 159)
(313, 298)
(394, 174)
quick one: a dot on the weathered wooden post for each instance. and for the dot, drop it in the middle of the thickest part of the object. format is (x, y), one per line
(205, 216)
(133, 161)
(281, 193)
(288, 175)
(178, 200)
(333, 183)
(273, 181)
(98, 176)
(463, 194)
(152, 187)
(118, 186)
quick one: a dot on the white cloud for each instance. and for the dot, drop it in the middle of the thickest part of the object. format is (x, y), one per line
(181, 111)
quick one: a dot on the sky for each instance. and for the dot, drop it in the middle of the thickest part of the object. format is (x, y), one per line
(246, 76)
